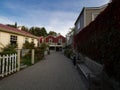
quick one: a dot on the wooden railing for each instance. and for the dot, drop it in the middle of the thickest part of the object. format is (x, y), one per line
(8, 64)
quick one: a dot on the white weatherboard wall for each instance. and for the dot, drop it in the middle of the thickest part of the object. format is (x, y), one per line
(4, 38)
(36, 42)
(20, 41)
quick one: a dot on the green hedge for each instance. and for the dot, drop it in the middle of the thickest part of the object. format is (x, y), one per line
(100, 40)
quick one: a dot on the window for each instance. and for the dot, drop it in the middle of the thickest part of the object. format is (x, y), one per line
(50, 40)
(60, 41)
(26, 39)
(13, 40)
(32, 40)
(79, 25)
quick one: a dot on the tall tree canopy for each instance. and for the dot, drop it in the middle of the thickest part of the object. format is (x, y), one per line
(52, 33)
(38, 31)
(13, 25)
(24, 28)
(43, 31)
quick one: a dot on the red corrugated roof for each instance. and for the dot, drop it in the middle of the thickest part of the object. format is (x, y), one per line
(15, 30)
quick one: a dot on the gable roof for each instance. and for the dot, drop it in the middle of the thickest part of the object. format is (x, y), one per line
(50, 36)
(9, 29)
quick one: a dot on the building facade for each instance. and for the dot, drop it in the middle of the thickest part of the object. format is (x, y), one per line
(10, 35)
(87, 15)
(54, 42)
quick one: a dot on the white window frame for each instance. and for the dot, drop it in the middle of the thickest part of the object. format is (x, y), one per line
(50, 40)
(13, 39)
(60, 41)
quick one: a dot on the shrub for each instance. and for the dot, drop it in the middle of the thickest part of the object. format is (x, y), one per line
(100, 40)
(26, 60)
(9, 49)
(28, 45)
(43, 46)
(39, 54)
(68, 52)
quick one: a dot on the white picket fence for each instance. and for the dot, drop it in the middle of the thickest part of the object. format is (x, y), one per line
(8, 64)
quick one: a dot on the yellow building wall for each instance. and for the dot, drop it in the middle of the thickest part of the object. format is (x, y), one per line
(36, 42)
(29, 39)
(20, 41)
(4, 39)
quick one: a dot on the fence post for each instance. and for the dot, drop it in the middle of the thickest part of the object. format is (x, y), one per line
(18, 59)
(6, 67)
(3, 65)
(33, 53)
(0, 66)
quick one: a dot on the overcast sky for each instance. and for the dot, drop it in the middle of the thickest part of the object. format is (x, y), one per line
(55, 15)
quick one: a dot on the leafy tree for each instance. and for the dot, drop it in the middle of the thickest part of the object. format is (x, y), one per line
(11, 25)
(38, 31)
(32, 30)
(52, 33)
(15, 25)
(24, 28)
(43, 32)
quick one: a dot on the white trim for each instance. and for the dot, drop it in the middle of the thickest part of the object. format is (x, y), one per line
(100, 7)
(84, 18)
(50, 40)
(93, 18)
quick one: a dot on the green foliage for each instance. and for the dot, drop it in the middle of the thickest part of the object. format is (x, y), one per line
(39, 54)
(100, 40)
(14, 26)
(52, 33)
(38, 31)
(28, 45)
(43, 46)
(68, 53)
(43, 32)
(9, 49)
(26, 60)
(25, 29)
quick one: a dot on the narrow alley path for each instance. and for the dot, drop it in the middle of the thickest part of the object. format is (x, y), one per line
(56, 72)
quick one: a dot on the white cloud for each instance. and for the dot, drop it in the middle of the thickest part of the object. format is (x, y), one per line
(5, 20)
(60, 19)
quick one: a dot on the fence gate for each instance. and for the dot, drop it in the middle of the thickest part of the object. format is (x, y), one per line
(8, 64)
